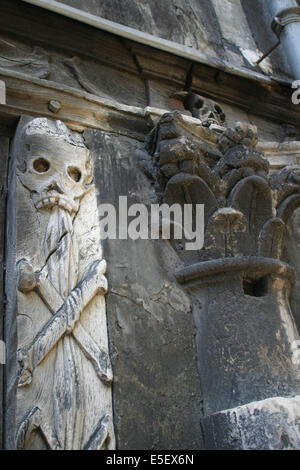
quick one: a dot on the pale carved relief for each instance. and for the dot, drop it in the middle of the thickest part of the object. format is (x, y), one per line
(64, 392)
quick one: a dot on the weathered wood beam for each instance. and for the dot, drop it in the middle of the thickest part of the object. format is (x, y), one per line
(26, 95)
(258, 94)
(78, 109)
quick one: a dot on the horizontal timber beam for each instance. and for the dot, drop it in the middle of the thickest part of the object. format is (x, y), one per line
(80, 110)
(255, 93)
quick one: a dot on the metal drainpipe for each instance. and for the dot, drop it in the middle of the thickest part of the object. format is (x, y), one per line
(286, 24)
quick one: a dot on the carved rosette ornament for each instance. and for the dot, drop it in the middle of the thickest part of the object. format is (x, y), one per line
(239, 281)
(64, 382)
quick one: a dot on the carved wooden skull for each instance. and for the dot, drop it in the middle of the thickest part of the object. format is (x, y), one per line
(207, 110)
(56, 166)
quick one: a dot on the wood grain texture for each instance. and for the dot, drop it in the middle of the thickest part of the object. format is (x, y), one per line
(260, 96)
(4, 147)
(79, 109)
(62, 367)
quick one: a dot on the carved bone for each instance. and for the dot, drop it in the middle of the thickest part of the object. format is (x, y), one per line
(64, 322)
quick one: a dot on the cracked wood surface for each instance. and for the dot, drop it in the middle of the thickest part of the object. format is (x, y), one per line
(81, 110)
(64, 394)
(4, 145)
(112, 60)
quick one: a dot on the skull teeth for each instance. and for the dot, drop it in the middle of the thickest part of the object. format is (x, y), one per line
(51, 201)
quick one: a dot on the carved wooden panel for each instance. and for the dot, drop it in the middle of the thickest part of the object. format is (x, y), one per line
(64, 371)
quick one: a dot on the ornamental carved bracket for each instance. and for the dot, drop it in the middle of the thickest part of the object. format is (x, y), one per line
(246, 208)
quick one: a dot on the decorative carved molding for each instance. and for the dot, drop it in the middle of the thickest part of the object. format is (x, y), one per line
(243, 206)
(78, 70)
(64, 394)
(80, 110)
(282, 154)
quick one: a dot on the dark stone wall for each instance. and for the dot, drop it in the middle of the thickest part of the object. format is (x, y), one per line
(156, 389)
(4, 149)
(240, 358)
(292, 256)
(259, 20)
(10, 292)
(181, 21)
(196, 24)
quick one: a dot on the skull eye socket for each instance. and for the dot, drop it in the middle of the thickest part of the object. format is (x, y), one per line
(74, 173)
(41, 165)
(219, 111)
(203, 111)
(199, 104)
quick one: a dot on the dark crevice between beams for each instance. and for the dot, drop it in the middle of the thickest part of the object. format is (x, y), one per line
(140, 71)
(9, 324)
(189, 77)
(212, 27)
(3, 308)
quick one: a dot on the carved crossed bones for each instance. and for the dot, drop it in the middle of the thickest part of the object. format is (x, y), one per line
(65, 319)
(34, 420)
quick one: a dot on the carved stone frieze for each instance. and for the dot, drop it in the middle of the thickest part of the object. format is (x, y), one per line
(231, 179)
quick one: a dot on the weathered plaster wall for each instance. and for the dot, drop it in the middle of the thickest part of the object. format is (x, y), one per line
(237, 31)
(183, 21)
(156, 388)
(293, 257)
(259, 20)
